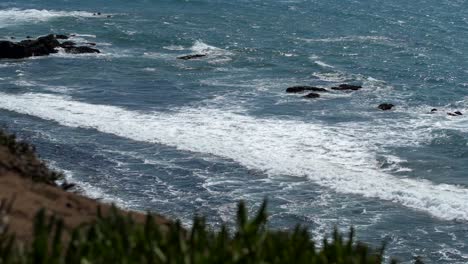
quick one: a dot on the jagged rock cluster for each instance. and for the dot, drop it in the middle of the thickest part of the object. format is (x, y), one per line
(41, 46)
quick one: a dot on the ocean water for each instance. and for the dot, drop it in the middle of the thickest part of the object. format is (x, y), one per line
(140, 128)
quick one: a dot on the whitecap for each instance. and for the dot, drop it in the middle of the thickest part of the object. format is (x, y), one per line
(323, 64)
(200, 47)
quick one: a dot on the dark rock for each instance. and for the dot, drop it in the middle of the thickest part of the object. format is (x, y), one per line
(312, 95)
(28, 37)
(38, 47)
(99, 13)
(28, 48)
(60, 36)
(433, 110)
(385, 107)
(300, 89)
(11, 50)
(109, 16)
(67, 186)
(12, 38)
(68, 44)
(456, 113)
(192, 56)
(81, 50)
(346, 87)
(90, 43)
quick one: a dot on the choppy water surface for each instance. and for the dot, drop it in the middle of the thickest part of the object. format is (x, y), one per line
(135, 126)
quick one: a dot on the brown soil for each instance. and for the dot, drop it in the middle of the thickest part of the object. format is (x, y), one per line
(28, 197)
(27, 182)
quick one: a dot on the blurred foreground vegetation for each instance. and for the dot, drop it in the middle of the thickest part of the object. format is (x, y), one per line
(117, 238)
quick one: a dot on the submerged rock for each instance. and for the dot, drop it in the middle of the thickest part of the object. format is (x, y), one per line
(385, 106)
(300, 89)
(191, 57)
(347, 87)
(41, 46)
(312, 95)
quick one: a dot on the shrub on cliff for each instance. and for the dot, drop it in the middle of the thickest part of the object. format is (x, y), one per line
(116, 238)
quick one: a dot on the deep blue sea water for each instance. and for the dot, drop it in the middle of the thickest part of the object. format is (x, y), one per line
(138, 127)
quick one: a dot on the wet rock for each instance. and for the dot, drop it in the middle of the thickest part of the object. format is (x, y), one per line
(456, 113)
(28, 48)
(433, 110)
(67, 186)
(300, 89)
(60, 36)
(81, 50)
(41, 46)
(385, 106)
(68, 44)
(90, 43)
(191, 57)
(312, 95)
(347, 87)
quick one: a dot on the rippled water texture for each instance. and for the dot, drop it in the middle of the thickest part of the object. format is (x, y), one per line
(136, 126)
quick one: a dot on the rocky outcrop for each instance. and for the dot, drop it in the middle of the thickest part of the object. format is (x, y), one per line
(300, 89)
(41, 46)
(347, 87)
(191, 56)
(385, 106)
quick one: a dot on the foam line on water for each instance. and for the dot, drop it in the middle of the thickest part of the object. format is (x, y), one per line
(332, 156)
(14, 16)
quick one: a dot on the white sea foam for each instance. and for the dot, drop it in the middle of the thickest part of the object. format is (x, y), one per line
(335, 77)
(89, 190)
(174, 47)
(201, 47)
(214, 54)
(14, 16)
(323, 64)
(334, 157)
